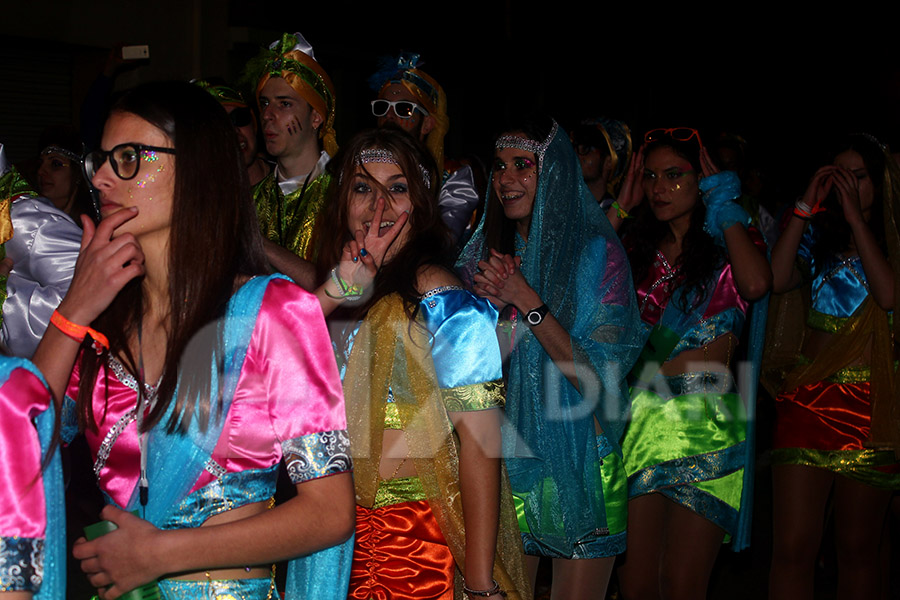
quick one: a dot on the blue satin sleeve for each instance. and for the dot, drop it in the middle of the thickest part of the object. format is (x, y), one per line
(465, 349)
(839, 288)
(707, 330)
(804, 252)
(839, 285)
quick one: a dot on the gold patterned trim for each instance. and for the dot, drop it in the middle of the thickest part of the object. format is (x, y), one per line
(863, 465)
(477, 396)
(857, 374)
(823, 322)
(392, 416)
(852, 375)
(395, 491)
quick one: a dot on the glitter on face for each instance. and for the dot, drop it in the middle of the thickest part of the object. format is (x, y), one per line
(150, 177)
(150, 155)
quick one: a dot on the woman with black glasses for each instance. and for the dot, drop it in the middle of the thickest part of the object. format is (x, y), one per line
(195, 375)
(696, 268)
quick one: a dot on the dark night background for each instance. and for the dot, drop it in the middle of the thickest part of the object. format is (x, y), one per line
(787, 84)
(788, 79)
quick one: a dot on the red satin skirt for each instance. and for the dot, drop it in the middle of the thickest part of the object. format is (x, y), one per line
(400, 554)
(824, 416)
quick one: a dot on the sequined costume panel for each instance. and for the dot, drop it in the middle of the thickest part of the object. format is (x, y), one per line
(839, 286)
(261, 588)
(289, 219)
(724, 313)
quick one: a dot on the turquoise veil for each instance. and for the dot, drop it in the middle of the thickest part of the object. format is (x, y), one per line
(575, 262)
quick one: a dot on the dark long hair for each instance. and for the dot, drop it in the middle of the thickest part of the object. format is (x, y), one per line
(500, 232)
(214, 240)
(67, 138)
(832, 233)
(700, 256)
(428, 241)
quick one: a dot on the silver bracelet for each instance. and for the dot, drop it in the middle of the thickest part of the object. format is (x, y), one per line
(485, 593)
(350, 293)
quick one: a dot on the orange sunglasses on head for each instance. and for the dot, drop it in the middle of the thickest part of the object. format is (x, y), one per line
(679, 134)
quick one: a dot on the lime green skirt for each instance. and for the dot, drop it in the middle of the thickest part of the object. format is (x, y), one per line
(686, 440)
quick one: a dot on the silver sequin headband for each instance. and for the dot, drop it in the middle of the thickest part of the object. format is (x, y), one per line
(58, 150)
(380, 155)
(533, 146)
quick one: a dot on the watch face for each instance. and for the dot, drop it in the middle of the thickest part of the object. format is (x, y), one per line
(534, 317)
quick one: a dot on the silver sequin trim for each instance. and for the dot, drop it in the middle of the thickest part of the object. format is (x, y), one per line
(533, 146)
(215, 469)
(438, 290)
(317, 455)
(125, 420)
(21, 564)
(111, 436)
(128, 380)
(665, 279)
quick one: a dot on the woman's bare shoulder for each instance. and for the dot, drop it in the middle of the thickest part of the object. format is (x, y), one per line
(430, 277)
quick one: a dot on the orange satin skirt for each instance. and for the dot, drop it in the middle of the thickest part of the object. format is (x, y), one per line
(400, 554)
(824, 416)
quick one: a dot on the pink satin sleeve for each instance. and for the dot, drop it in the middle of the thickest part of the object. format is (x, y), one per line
(726, 294)
(111, 399)
(289, 384)
(22, 508)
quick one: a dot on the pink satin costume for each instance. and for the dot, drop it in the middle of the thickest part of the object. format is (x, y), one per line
(288, 404)
(22, 508)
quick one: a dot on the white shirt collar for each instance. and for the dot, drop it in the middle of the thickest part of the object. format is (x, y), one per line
(291, 185)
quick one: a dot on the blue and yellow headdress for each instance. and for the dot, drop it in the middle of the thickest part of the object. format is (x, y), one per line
(404, 69)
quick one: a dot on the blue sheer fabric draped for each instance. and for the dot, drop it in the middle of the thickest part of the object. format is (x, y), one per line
(575, 262)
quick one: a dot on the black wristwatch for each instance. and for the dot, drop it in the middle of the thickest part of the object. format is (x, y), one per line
(536, 316)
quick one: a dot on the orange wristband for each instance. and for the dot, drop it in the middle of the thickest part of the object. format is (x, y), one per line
(78, 332)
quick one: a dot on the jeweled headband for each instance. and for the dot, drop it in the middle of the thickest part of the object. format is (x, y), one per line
(59, 150)
(528, 145)
(380, 155)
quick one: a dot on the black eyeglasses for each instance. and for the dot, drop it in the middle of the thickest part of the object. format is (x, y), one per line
(125, 159)
(241, 116)
(402, 108)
